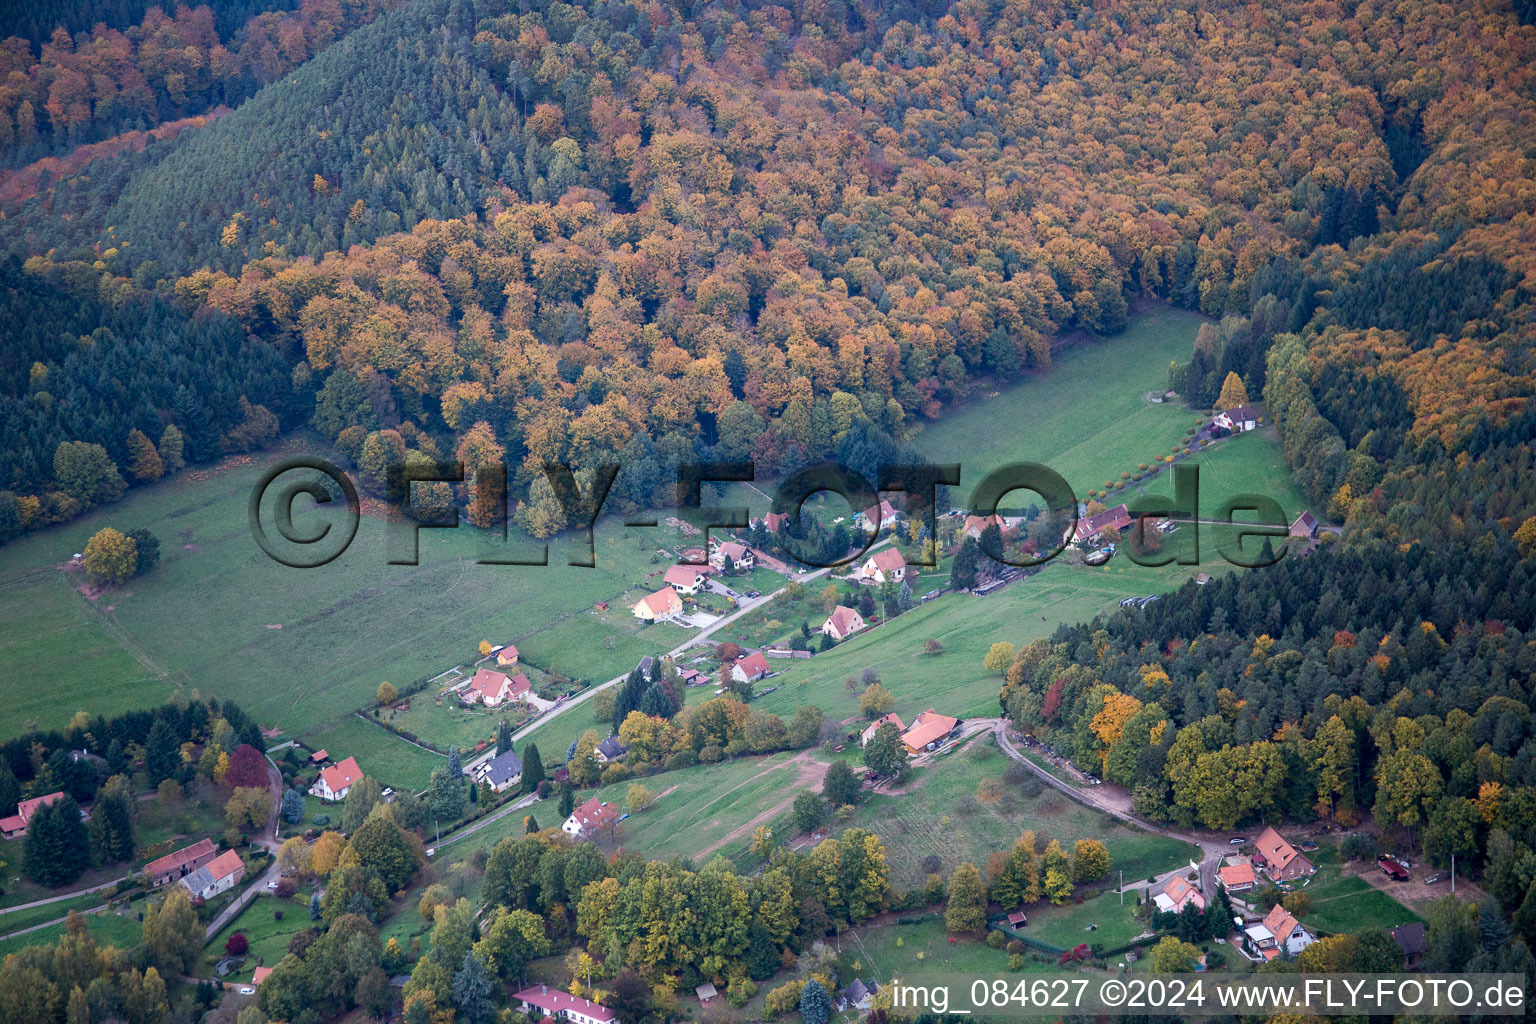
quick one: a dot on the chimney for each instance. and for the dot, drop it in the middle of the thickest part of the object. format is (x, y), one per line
(543, 989)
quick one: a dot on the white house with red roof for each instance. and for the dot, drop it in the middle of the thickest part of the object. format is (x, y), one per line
(333, 783)
(975, 526)
(738, 556)
(218, 875)
(15, 826)
(1278, 859)
(927, 731)
(590, 817)
(876, 517)
(492, 688)
(1244, 417)
(885, 564)
(874, 727)
(750, 668)
(1237, 877)
(563, 1006)
(1090, 527)
(1175, 893)
(1278, 933)
(182, 862)
(686, 579)
(842, 623)
(661, 605)
(771, 521)
(506, 656)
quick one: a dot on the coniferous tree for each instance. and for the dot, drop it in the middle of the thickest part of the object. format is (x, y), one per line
(533, 768)
(57, 847)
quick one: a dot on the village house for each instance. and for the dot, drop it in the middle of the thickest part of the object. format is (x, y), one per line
(1175, 893)
(859, 995)
(259, 975)
(610, 750)
(874, 727)
(1278, 859)
(661, 605)
(15, 826)
(1089, 528)
(1278, 933)
(1237, 877)
(501, 772)
(180, 863)
(333, 783)
(1411, 939)
(492, 688)
(975, 526)
(563, 1006)
(587, 819)
(222, 873)
(686, 579)
(738, 556)
(928, 731)
(1305, 526)
(693, 677)
(842, 623)
(506, 656)
(1244, 417)
(885, 564)
(876, 517)
(772, 522)
(750, 668)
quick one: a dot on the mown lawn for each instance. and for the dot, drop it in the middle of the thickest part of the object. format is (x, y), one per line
(122, 931)
(267, 936)
(1349, 904)
(1097, 921)
(379, 752)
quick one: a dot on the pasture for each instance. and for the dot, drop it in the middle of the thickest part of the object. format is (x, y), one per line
(1348, 903)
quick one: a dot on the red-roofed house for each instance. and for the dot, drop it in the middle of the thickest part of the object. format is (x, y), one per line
(333, 783)
(750, 669)
(218, 875)
(1237, 877)
(1244, 417)
(1278, 859)
(1305, 526)
(660, 605)
(260, 975)
(842, 623)
(976, 525)
(1175, 893)
(1280, 933)
(739, 556)
(182, 862)
(927, 731)
(15, 825)
(876, 517)
(319, 757)
(492, 688)
(563, 1006)
(773, 521)
(589, 818)
(874, 727)
(885, 564)
(1089, 528)
(507, 656)
(686, 579)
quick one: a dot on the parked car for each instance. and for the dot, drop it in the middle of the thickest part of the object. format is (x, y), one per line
(247, 990)
(1432, 879)
(1238, 840)
(272, 885)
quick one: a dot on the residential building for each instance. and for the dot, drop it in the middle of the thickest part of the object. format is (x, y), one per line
(928, 731)
(738, 556)
(1244, 417)
(976, 525)
(492, 688)
(506, 656)
(859, 995)
(874, 727)
(501, 772)
(15, 826)
(876, 517)
(333, 783)
(563, 1006)
(180, 863)
(589, 818)
(611, 750)
(222, 873)
(1089, 528)
(661, 605)
(1305, 526)
(1279, 933)
(750, 668)
(1278, 859)
(1411, 938)
(1175, 893)
(259, 975)
(319, 757)
(885, 564)
(842, 623)
(1237, 877)
(772, 522)
(686, 579)
(693, 677)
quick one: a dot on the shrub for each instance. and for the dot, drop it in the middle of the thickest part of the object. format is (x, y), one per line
(1142, 466)
(1125, 476)
(1014, 947)
(237, 944)
(996, 939)
(711, 754)
(1016, 962)
(682, 759)
(321, 819)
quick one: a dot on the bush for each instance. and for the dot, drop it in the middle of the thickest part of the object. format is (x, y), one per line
(682, 759)
(996, 940)
(1016, 962)
(321, 819)
(711, 754)
(237, 944)
(1014, 947)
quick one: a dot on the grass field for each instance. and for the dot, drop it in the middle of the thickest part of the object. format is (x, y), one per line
(1085, 417)
(393, 761)
(1349, 904)
(107, 928)
(1102, 920)
(268, 937)
(1250, 463)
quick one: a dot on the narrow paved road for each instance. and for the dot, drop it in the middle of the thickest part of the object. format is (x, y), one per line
(1114, 801)
(266, 841)
(46, 924)
(61, 896)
